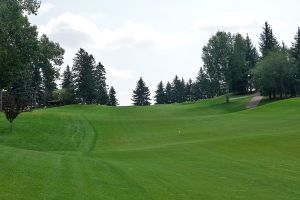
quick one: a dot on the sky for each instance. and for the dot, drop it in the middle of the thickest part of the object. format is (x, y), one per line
(156, 39)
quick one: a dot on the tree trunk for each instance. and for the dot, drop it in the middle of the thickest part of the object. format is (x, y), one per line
(227, 93)
(34, 99)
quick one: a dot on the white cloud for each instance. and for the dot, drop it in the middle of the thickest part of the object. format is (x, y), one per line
(73, 31)
(45, 8)
(234, 21)
(121, 74)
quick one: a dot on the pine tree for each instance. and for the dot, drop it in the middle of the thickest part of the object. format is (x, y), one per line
(68, 87)
(160, 96)
(178, 90)
(100, 83)
(189, 91)
(84, 80)
(141, 94)
(268, 41)
(169, 94)
(251, 60)
(202, 87)
(112, 99)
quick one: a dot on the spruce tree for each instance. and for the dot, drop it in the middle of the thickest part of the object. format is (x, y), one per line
(178, 90)
(251, 61)
(68, 87)
(84, 79)
(169, 94)
(189, 91)
(268, 41)
(202, 89)
(141, 94)
(112, 99)
(160, 96)
(100, 84)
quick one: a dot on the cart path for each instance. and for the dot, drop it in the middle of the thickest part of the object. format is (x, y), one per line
(256, 99)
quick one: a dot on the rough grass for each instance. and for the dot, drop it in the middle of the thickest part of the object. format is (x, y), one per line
(202, 150)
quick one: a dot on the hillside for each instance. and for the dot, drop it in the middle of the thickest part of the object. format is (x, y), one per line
(202, 150)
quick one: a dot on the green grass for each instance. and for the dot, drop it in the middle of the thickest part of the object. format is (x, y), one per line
(203, 150)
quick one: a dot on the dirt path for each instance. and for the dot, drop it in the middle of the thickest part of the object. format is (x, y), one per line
(254, 101)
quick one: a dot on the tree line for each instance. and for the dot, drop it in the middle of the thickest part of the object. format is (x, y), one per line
(85, 83)
(30, 65)
(231, 64)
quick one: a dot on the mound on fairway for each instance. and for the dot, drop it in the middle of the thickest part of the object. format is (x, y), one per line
(203, 150)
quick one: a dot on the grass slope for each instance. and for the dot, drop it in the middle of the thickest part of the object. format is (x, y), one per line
(203, 150)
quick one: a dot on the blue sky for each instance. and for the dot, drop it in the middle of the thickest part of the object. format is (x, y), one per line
(156, 39)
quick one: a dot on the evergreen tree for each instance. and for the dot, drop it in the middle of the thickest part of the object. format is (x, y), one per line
(100, 83)
(68, 87)
(267, 40)
(141, 94)
(160, 96)
(189, 91)
(84, 80)
(251, 60)
(202, 89)
(169, 94)
(295, 51)
(178, 90)
(112, 99)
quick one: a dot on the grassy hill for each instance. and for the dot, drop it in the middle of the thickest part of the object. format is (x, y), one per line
(203, 150)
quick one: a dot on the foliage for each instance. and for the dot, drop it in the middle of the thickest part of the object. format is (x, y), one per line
(84, 79)
(141, 94)
(112, 99)
(275, 74)
(216, 58)
(100, 84)
(160, 96)
(268, 41)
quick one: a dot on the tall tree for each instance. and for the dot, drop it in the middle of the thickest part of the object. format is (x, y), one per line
(112, 99)
(178, 90)
(202, 85)
(216, 57)
(50, 57)
(160, 96)
(275, 74)
(238, 70)
(100, 84)
(251, 60)
(18, 40)
(189, 91)
(84, 80)
(267, 40)
(295, 51)
(141, 94)
(68, 86)
(169, 94)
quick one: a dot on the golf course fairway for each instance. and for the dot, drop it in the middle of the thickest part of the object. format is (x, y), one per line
(202, 150)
